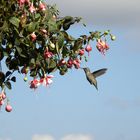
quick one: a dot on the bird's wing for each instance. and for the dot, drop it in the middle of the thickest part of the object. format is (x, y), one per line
(99, 72)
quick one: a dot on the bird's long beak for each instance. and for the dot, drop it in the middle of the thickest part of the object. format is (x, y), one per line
(96, 87)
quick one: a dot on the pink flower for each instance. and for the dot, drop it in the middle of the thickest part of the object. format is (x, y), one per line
(88, 48)
(33, 36)
(102, 46)
(32, 8)
(81, 52)
(42, 6)
(21, 2)
(62, 62)
(3, 95)
(1, 102)
(69, 63)
(76, 63)
(8, 108)
(47, 54)
(34, 83)
(44, 31)
(47, 80)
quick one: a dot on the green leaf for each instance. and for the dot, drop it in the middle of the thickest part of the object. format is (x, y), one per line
(8, 85)
(13, 79)
(31, 27)
(32, 63)
(78, 44)
(1, 54)
(52, 26)
(52, 64)
(4, 27)
(68, 21)
(61, 40)
(19, 50)
(2, 77)
(33, 73)
(8, 73)
(59, 24)
(65, 51)
(51, 70)
(15, 21)
(37, 16)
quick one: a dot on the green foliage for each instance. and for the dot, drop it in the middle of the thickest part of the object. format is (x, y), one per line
(26, 37)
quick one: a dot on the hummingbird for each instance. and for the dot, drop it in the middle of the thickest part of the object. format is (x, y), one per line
(91, 76)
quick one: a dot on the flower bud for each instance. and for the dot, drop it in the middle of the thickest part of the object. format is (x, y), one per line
(106, 32)
(8, 108)
(113, 37)
(25, 79)
(52, 45)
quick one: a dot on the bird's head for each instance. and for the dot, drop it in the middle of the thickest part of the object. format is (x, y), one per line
(86, 69)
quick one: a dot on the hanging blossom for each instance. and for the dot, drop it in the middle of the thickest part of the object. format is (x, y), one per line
(47, 54)
(76, 63)
(34, 83)
(42, 6)
(44, 31)
(81, 52)
(102, 46)
(69, 63)
(32, 8)
(2, 97)
(88, 49)
(61, 62)
(33, 36)
(22, 2)
(45, 81)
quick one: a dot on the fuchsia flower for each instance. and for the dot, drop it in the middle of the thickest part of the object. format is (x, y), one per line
(21, 2)
(32, 8)
(88, 48)
(69, 63)
(8, 108)
(3, 95)
(102, 46)
(47, 54)
(33, 36)
(2, 98)
(1, 102)
(62, 62)
(42, 6)
(44, 31)
(34, 83)
(47, 80)
(81, 52)
(76, 63)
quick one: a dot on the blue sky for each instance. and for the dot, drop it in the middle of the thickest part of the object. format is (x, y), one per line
(72, 109)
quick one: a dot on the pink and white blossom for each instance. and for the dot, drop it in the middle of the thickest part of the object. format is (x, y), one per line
(32, 8)
(102, 46)
(88, 48)
(34, 83)
(47, 54)
(42, 6)
(33, 36)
